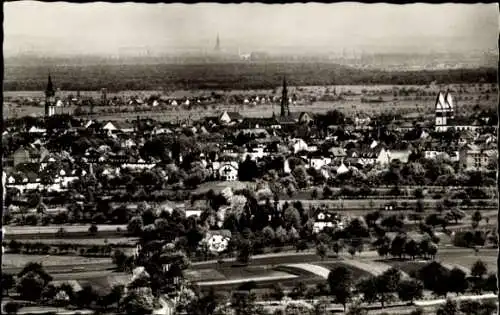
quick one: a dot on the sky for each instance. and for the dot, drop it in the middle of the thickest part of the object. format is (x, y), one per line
(110, 29)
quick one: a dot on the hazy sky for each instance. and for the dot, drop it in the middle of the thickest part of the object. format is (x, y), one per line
(113, 28)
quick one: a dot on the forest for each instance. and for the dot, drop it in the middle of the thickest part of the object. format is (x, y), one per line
(253, 75)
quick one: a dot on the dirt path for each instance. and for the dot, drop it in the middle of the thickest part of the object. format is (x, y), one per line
(243, 280)
(317, 270)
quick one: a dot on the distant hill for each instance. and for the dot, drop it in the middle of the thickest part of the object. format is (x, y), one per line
(217, 75)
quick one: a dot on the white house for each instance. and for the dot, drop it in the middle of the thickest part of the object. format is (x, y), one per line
(299, 145)
(383, 157)
(228, 117)
(342, 169)
(217, 241)
(228, 171)
(115, 126)
(323, 220)
(319, 162)
(109, 127)
(401, 155)
(35, 129)
(286, 167)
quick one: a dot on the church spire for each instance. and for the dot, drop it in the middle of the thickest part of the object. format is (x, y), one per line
(49, 98)
(49, 91)
(285, 110)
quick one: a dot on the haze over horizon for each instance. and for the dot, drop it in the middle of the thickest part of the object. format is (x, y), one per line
(53, 29)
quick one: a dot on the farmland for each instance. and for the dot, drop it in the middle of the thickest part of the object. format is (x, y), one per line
(413, 105)
(18, 261)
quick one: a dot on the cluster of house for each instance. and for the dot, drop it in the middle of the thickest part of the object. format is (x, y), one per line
(474, 150)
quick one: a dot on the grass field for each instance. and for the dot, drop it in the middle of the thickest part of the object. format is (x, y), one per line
(489, 258)
(357, 273)
(122, 241)
(408, 267)
(19, 260)
(13, 230)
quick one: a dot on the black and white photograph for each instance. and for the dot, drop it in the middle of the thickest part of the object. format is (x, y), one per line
(250, 158)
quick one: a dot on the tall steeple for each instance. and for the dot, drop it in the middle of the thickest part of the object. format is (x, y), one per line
(49, 98)
(285, 110)
(49, 91)
(217, 43)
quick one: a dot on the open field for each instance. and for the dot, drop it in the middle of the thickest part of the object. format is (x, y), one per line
(14, 230)
(413, 106)
(467, 260)
(247, 111)
(79, 232)
(408, 267)
(19, 260)
(122, 241)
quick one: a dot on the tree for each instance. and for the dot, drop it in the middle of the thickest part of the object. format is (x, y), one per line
(409, 290)
(491, 283)
(135, 226)
(478, 269)
(243, 303)
(93, 229)
(327, 192)
(300, 175)
(8, 282)
(470, 307)
(321, 250)
(298, 291)
(137, 303)
(419, 206)
(115, 295)
(291, 217)
(30, 286)
(314, 193)
(340, 282)
(120, 260)
(11, 308)
(37, 269)
(86, 296)
(435, 278)
(368, 288)
(387, 283)
(411, 248)
(449, 308)
(457, 281)
(476, 218)
(244, 252)
(277, 292)
(398, 245)
(488, 308)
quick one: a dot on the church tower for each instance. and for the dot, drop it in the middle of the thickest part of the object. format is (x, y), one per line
(50, 103)
(444, 111)
(285, 110)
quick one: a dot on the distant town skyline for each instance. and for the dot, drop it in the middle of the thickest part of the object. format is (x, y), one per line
(127, 28)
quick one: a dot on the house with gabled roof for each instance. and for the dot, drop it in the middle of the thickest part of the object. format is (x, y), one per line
(118, 126)
(230, 117)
